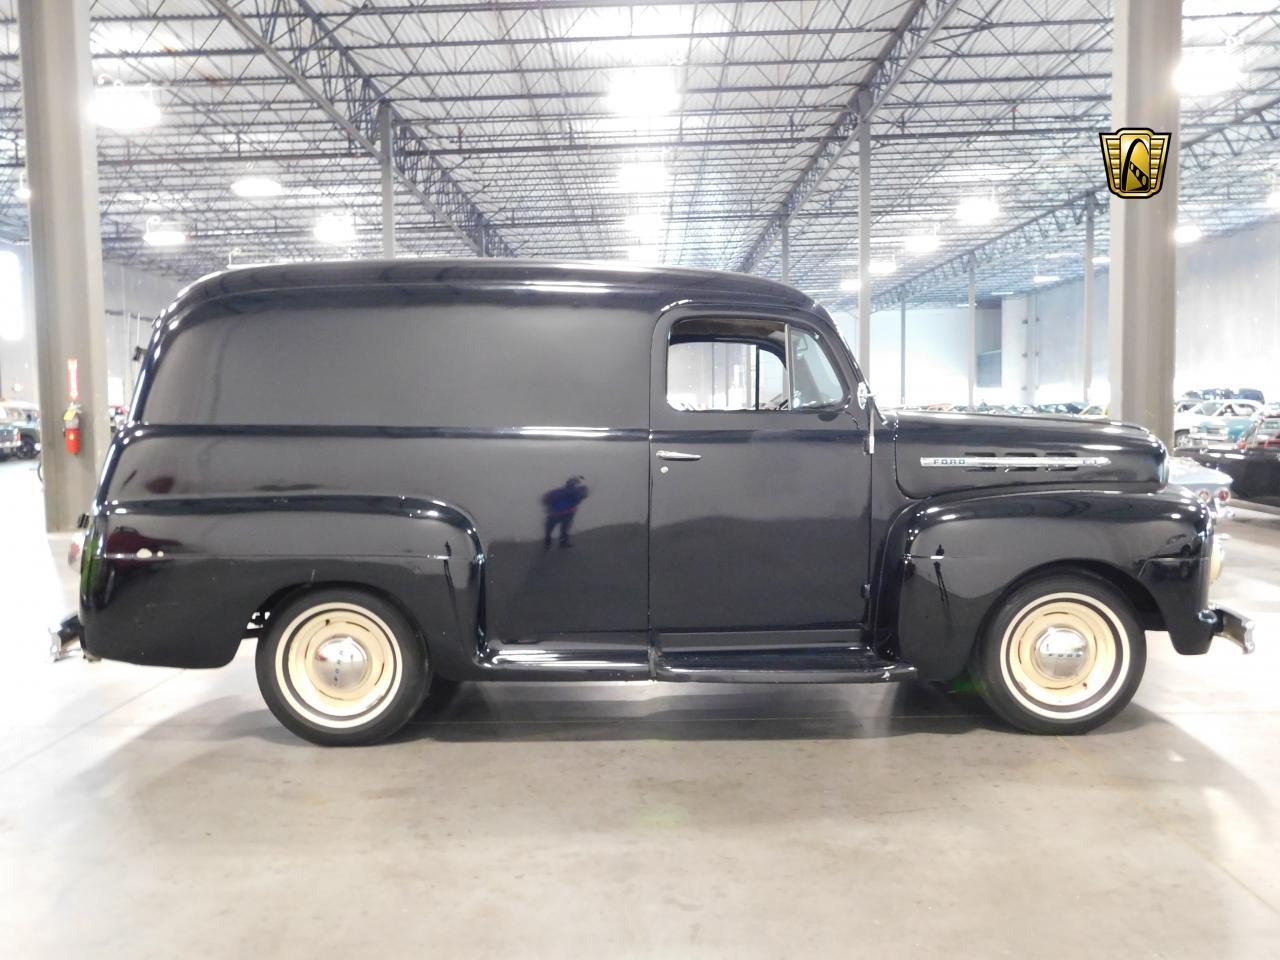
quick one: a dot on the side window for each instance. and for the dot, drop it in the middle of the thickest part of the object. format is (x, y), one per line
(722, 364)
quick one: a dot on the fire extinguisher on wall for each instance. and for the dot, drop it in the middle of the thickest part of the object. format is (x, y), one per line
(71, 428)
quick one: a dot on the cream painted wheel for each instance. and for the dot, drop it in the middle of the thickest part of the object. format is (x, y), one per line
(342, 667)
(1061, 655)
(338, 665)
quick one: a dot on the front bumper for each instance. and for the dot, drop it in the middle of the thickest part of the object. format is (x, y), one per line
(1230, 625)
(66, 640)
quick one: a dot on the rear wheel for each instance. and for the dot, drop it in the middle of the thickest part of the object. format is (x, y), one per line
(342, 667)
(1062, 654)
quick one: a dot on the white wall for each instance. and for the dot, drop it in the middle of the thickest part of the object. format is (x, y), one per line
(131, 299)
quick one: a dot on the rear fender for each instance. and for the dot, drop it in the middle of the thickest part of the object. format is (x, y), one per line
(174, 581)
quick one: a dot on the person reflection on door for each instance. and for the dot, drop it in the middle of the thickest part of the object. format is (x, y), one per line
(561, 504)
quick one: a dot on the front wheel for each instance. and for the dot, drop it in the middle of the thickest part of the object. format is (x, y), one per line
(342, 667)
(1061, 654)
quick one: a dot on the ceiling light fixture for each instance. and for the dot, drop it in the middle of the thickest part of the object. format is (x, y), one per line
(1045, 278)
(22, 191)
(1101, 260)
(1187, 233)
(335, 228)
(1273, 199)
(164, 233)
(883, 268)
(921, 243)
(255, 186)
(643, 92)
(851, 285)
(125, 109)
(977, 211)
(1203, 72)
(643, 176)
(644, 225)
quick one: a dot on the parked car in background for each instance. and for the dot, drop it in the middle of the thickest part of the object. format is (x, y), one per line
(1227, 426)
(10, 441)
(1210, 486)
(1096, 410)
(25, 418)
(1069, 408)
(1226, 393)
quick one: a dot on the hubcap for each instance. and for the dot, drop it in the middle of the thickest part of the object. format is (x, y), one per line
(1061, 654)
(338, 664)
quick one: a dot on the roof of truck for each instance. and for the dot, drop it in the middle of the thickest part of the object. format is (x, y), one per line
(673, 283)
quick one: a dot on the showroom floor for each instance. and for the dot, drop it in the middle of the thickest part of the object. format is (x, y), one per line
(149, 812)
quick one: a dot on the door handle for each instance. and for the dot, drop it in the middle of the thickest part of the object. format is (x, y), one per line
(677, 455)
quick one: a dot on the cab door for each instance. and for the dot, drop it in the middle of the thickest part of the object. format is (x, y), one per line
(759, 480)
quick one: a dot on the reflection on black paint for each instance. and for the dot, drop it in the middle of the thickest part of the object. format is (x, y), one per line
(561, 505)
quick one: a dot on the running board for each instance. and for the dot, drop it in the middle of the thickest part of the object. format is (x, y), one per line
(854, 664)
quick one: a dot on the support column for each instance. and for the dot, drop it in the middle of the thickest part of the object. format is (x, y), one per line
(973, 327)
(66, 247)
(386, 148)
(1143, 308)
(1086, 323)
(864, 245)
(902, 355)
(786, 252)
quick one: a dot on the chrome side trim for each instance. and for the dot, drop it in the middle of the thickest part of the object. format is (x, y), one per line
(677, 455)
(1012, 462)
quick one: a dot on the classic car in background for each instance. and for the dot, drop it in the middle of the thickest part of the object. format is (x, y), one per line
(25, 419)
(1210, 486)
(10, 441)
(1226, 393)
(1214, 422)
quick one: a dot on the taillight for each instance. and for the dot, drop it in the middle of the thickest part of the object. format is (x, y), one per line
(1223, 494)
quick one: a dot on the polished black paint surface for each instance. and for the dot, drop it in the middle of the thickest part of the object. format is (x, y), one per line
(532, 532)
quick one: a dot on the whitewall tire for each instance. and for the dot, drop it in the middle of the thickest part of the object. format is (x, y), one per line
(342, 667)
(1060, 654)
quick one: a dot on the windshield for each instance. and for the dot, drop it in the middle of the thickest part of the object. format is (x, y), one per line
(1207, 409)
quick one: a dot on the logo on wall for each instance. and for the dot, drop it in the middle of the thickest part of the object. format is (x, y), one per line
(1135, 161)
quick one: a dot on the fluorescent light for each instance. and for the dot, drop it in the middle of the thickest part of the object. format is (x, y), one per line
(124, 108)
(1187, 233)
(1206, 72)
(335, 228)
(644, 225)
(999, 293)
(254, 186)
(1273, 199)
(22, 191)
(1101, 260)
(977, 211)
(882, 268)
(1045, 278)
(643, 176)
(164, 233)
(643, 92)
(921, 243)
(851, 285)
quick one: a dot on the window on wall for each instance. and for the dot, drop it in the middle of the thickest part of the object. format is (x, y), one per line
(751, 365)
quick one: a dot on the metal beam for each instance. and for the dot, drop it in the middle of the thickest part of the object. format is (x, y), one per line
(917, 30)
(350, 98)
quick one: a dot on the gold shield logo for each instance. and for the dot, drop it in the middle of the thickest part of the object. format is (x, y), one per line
(1135, 161)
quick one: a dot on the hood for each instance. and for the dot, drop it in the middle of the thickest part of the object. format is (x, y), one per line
(941, 452)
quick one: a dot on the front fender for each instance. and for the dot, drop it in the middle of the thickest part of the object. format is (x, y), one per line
(947, 560)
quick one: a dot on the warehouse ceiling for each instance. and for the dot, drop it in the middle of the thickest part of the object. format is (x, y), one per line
(679, 133)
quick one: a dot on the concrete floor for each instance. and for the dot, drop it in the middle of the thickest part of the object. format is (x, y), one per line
(155, 813)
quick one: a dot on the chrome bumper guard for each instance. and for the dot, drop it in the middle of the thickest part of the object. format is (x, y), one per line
(65, 640)
(1231, 625)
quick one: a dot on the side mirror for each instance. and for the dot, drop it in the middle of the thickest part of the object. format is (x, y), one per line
(865, 395)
